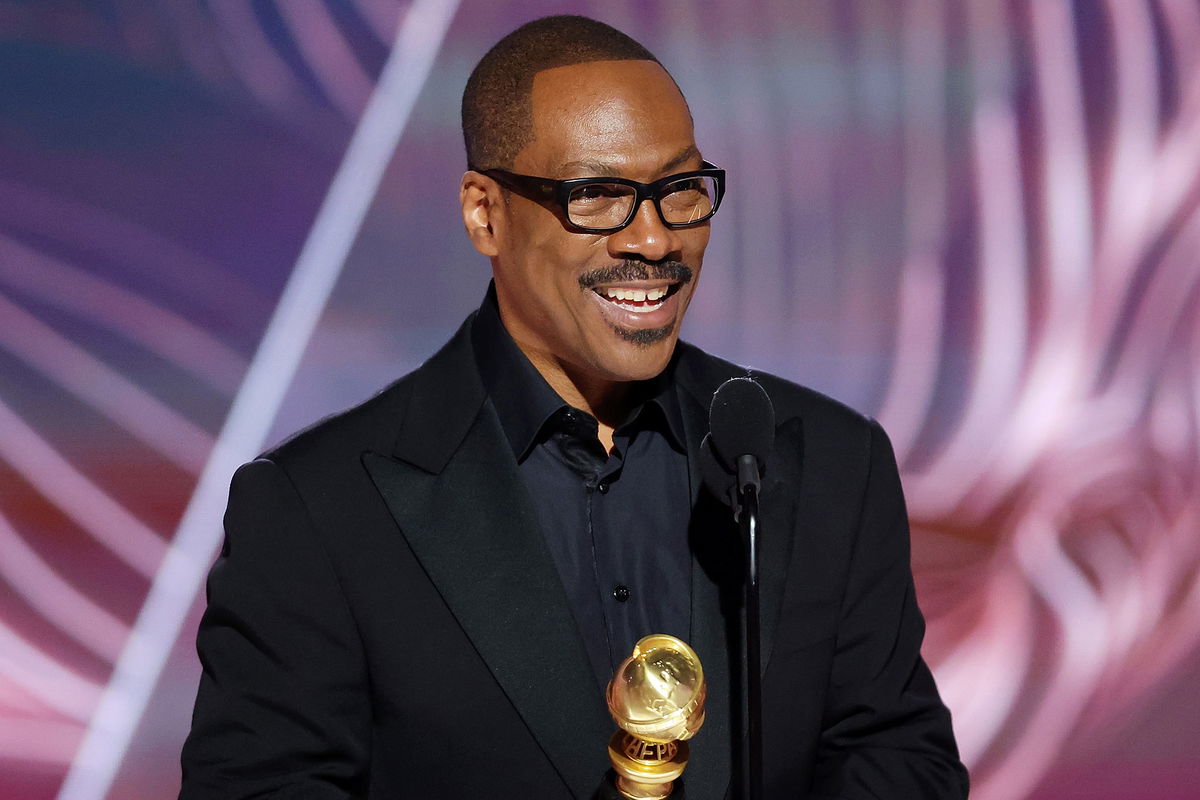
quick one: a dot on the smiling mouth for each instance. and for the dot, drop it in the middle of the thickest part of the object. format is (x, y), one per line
(636, 299)
(637, 286)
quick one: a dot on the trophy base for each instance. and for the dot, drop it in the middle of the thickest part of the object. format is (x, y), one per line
(646, 770)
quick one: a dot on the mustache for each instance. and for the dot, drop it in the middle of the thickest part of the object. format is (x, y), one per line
(637, 270)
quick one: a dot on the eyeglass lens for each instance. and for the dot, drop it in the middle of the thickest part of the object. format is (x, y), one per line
(609, 205)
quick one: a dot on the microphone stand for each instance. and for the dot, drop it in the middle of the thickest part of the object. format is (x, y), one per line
(748, 482)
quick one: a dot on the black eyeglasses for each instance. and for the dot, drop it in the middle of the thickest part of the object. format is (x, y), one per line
(605, 205)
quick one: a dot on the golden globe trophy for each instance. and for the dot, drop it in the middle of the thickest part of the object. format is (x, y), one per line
(656, 697)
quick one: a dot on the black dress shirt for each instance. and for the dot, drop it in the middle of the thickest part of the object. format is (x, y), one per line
(616, 523)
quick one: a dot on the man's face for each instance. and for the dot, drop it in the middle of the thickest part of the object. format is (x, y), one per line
(559, 288)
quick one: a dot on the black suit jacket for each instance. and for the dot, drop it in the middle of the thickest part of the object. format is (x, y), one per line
(385, 619)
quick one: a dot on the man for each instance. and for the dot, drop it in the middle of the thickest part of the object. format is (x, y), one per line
(424, 596)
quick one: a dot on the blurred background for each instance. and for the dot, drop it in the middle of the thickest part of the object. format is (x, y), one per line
(976, 220)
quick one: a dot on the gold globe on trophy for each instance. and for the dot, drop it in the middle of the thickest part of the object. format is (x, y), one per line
(656, 697)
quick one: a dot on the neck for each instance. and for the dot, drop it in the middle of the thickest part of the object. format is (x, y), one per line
(608, 401)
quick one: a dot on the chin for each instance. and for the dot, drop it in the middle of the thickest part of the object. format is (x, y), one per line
(648, 337)
(644, 357)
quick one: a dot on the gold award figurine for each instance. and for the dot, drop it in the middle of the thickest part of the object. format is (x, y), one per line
(657, 700)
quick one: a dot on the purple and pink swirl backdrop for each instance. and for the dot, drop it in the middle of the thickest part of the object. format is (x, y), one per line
(976, 220)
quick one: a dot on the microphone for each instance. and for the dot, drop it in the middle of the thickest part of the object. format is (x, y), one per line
(741, 433)
(733, 458)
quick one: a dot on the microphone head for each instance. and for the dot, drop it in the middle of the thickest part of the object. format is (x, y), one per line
(742, 422)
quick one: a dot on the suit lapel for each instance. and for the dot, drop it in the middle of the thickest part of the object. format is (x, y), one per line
(777, 509)
(453, 489)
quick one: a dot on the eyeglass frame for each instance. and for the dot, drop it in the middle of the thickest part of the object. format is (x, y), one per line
(560, 191)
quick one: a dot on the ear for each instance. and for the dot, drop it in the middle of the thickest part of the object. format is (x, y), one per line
(481, 202)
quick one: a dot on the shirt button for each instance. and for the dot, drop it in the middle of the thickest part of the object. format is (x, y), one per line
(603, 487)
(620, 593)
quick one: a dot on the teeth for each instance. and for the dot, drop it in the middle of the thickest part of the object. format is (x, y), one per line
(636, 295)
(651, 297)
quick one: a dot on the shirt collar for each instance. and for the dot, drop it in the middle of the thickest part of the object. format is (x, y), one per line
(524, 401)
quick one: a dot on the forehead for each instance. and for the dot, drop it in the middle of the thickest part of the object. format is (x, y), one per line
(626, 115)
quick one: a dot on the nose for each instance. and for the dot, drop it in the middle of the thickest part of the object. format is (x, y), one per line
(645, 235)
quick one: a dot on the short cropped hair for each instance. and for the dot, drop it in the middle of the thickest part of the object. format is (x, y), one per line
(497, 115)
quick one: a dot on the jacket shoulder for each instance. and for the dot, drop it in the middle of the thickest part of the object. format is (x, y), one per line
(369, 425)
(438, 389)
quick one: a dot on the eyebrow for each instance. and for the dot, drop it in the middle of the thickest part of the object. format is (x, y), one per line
(601, 170)
(686, 154)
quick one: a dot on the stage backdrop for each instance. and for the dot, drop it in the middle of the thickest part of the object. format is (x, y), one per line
(976, 220)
